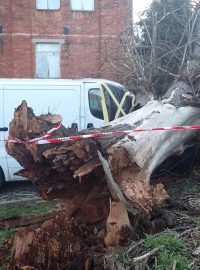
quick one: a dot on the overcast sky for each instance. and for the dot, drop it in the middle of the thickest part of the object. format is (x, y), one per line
(140, 5)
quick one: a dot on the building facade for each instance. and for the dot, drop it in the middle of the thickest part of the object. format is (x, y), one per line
(60, 38)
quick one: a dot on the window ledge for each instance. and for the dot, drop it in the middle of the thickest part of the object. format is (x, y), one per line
(82, 10)
(60, 41)
(50, 10)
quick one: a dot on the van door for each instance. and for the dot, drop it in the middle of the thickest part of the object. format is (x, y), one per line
(55, 99)
(93, 106)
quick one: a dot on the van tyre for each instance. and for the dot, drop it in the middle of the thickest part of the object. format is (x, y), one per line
(2, 179)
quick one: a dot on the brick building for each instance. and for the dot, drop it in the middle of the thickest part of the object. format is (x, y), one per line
(60, 38)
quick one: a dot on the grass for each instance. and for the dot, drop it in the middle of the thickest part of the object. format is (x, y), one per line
(167, 260)
(174, 251)
(127, 260)
(190, 190)
(6, 233)
(189, 186)
(8, 211)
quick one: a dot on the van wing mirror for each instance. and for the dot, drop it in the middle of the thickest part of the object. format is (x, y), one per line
(3, 129)
(74, 126)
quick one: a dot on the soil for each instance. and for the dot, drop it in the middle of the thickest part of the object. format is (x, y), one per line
(54, 242)
(19, 192)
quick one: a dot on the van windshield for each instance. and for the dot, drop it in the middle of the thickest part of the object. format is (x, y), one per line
(118, 92)
(95, 101)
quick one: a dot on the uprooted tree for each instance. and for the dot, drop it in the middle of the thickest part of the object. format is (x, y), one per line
(106, 179)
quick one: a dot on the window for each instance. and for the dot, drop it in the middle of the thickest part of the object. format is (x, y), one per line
(87, 5)
(95, 103)
(48, 4)
(118, 92)
(48, 60)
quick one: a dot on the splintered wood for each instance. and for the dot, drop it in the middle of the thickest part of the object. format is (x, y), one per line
(72, 171)
(105, 182)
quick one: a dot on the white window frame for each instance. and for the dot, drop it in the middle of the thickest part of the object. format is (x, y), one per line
(82, 8)
(47, 41)
(47, 5)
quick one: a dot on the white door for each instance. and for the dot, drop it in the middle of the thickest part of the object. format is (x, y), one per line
(3, 135)
(93, 106)
(52, 98)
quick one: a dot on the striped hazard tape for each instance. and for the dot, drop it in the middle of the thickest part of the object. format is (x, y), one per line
(42, 139)
(35, 140)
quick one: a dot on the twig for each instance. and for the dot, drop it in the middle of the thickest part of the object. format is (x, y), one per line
(113, 187)
(168, 72)
(134, 246)
(192, 263)
(115, 191)
(111, 263)
(147, 255)
(188, 231)
(174, 266)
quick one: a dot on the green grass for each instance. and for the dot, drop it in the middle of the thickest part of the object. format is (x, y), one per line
(8, 211)
(174, 250)
(127, 260)
(190, 190)
(6, 233)
(169, 240)
(167, 260)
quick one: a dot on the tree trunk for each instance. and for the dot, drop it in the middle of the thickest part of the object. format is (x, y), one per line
(105, 178)
(72, 170)
(101, 179)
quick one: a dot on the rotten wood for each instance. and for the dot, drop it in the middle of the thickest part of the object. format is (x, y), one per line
(72, 171)
(118, 226)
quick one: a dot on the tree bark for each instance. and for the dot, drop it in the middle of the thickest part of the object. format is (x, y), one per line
(109, 188)
(72, 170)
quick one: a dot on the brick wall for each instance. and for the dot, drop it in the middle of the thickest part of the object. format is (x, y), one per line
(83, 48)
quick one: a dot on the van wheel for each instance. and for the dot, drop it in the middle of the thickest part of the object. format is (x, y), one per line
(2, 179)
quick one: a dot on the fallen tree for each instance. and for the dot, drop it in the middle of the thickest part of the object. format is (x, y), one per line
(72, 171)
(113, 187)
(69, 170)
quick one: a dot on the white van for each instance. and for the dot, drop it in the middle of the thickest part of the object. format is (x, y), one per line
(82, 103)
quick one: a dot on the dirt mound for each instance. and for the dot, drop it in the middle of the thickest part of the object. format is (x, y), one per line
(57, 244)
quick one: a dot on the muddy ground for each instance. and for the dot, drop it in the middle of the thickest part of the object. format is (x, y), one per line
(18, 192)
(180, 215)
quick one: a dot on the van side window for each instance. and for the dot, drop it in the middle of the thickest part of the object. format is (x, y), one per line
(95, 103)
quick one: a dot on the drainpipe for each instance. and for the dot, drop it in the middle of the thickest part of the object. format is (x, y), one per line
(11, 38)
(31, 50)
(100, 29)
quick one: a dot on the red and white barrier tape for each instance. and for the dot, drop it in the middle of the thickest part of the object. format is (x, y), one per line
(47, 134)
(35, 140)
(42, 140)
